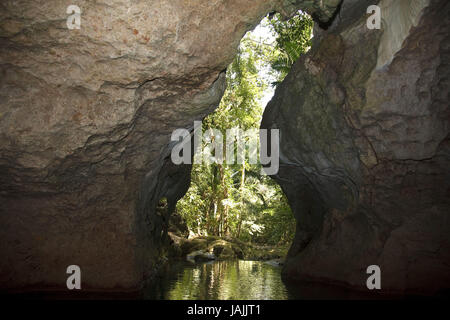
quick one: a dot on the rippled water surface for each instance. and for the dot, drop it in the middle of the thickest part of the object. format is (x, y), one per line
(236, 279)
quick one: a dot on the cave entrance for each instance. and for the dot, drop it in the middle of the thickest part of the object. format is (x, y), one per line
(236, 200)
(234, 210)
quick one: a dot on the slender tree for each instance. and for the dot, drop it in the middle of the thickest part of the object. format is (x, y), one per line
(235, 199)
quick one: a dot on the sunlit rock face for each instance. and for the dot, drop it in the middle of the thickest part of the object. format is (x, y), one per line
(364, 122)
(85, 123)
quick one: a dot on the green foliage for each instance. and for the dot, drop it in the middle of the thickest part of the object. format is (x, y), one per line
(236, 200)
(293, 39)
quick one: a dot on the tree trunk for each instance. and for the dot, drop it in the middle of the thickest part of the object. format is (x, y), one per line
(241, 206)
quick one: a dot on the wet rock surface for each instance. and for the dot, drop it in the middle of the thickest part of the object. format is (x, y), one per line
(365, 150)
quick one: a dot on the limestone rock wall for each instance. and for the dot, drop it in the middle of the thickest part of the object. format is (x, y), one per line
(364, 122)
(85, 123)
(86, 117)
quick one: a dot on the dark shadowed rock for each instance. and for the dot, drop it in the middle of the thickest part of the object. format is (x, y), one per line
(86, 117)
(85, 123)
(364, 122)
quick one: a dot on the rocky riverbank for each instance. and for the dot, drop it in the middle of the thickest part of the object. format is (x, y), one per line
(215, 248)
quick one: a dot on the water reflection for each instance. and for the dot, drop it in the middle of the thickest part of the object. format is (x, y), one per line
(220, 280)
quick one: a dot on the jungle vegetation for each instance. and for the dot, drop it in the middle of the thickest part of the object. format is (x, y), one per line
(237, 200)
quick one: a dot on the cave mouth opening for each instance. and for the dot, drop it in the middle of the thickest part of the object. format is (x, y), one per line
(235, 207)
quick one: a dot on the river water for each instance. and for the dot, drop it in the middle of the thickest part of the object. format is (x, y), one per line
(220, 280)
(238, 280)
